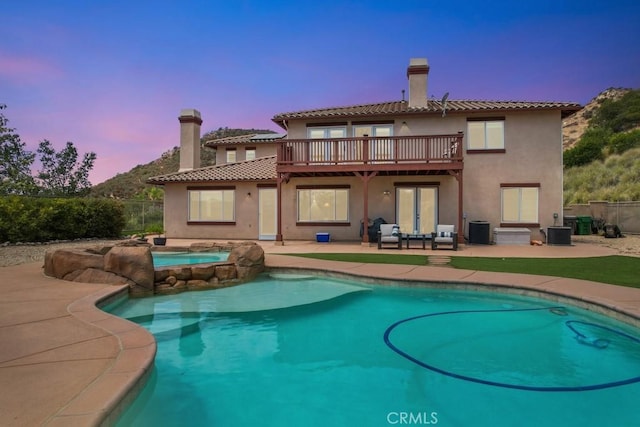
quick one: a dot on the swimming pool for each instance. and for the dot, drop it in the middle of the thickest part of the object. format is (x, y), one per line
(164, 259)
(297, 350)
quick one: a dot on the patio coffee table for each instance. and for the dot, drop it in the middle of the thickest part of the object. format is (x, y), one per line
(415, 236)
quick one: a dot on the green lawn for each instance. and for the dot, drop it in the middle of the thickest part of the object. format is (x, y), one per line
(370, 258)
(616, 269)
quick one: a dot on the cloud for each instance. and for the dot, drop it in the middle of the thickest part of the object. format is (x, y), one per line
(20, 69)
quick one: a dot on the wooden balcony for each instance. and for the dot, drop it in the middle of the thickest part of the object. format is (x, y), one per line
(418, 154)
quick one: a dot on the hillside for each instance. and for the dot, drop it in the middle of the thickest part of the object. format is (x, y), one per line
(132, 184)
(573, 127)
(602, 157)
(617, 178)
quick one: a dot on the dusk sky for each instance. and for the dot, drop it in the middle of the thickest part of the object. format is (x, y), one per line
(112, 76)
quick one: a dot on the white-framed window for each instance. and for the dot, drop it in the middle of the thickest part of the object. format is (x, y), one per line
(324, 132)
(485, 134)
(250, 154)
(231, 155)
(520, 204)
(323, 151)
(381, 146)
(323, 204)
(212, 205)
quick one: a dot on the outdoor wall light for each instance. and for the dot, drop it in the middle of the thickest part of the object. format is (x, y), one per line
(249, 194)
(386, 193)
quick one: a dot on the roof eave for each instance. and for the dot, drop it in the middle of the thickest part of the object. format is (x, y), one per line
(565, 111)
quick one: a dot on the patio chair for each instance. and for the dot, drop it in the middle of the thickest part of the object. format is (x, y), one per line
(389, 234)
(444, 235)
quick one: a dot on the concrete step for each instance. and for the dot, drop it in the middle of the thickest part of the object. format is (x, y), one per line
(439, 260)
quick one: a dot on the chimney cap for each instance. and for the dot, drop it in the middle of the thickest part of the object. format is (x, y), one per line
(190, 112)
(418, 61)
(190, 115)
(418, 66)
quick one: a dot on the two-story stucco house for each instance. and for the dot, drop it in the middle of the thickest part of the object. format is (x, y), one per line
(416, 162)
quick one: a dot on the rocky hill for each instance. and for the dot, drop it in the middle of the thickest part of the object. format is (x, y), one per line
(132, 184)
(603, 160)
(574, 126)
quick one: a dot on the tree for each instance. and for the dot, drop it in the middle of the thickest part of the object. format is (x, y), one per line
(15, 161)
(61, 173)
(150, 193)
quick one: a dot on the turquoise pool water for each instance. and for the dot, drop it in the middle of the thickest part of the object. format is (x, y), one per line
(164, 259)
(300, 351)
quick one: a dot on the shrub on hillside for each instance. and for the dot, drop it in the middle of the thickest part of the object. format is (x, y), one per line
(621, 142)
(31, 219)
(619, 115)
(615, 179)
(588, 149)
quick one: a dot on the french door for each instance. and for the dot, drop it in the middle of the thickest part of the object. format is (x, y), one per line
(417, 209)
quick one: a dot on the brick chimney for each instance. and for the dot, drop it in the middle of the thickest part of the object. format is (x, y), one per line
(418, 73)
(190, 122)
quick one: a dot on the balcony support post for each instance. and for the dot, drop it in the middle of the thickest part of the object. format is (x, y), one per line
(282, 177)
(457, 174)
(365, 177)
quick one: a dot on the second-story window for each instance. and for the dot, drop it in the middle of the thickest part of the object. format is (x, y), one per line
(381, 146)
(231, 155)
(485, 134)
(323, 151)
(250, 154)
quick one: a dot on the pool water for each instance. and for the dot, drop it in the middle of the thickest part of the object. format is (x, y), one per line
(295, 350)
(164, 259)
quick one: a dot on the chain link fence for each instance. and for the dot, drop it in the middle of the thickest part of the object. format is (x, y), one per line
(141, 215)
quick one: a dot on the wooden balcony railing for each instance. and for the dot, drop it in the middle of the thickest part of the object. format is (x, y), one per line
(416, 150)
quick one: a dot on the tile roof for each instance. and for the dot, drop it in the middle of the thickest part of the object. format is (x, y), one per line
(433, 107)
(261, 169)
(245, 139)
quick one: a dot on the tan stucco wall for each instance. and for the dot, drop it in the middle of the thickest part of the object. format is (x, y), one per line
(262, 150)
(246, 227)
(533, 154)
(176, 214)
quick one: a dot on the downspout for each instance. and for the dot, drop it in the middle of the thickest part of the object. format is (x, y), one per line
(461, 215)
(279, 178)
(365, 210)
(279, 209)
(460, 210)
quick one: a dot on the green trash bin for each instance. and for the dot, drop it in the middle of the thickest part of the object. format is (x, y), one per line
(584, 225)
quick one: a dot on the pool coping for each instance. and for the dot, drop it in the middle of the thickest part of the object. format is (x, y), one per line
(128, 350)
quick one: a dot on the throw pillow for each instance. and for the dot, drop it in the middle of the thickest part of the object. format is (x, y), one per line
(395, 230)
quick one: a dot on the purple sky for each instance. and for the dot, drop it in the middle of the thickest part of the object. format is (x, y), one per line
(112, 76)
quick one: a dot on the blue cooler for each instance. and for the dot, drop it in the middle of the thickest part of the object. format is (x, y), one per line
(323, 237)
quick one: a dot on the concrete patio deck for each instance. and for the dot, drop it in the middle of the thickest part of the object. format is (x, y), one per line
(65, 362)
